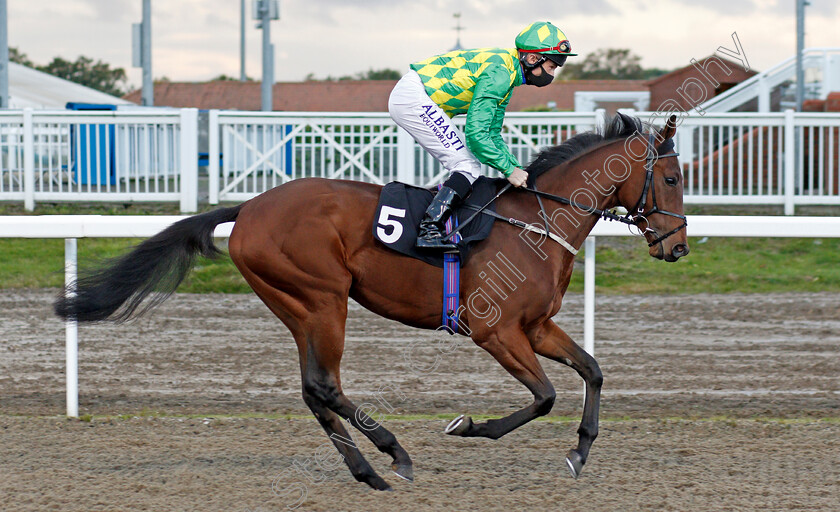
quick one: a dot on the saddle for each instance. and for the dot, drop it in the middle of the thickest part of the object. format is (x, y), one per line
(401, 208)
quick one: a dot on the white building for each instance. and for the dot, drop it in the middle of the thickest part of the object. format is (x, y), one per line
(29, 88)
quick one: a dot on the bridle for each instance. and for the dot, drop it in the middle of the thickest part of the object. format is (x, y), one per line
(649, 186)
(635, 215)
(631, 219)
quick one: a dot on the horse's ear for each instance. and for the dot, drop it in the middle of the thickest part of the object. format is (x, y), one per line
(670, 128)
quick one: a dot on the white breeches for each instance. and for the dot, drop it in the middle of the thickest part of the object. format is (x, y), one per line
(412, 109)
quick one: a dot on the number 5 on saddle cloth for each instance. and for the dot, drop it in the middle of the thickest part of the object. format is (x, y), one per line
(398, 215)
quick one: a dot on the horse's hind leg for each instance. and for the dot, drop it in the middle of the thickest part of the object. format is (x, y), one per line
(331, 423)
(552, 342)
(321, 384)
(320, 341)
(513, 351)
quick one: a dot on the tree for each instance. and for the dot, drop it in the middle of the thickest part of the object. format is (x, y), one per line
(228, 78)
(380, 74)
(19, 57)
(96, 75)
(371, 74)
(609, 64)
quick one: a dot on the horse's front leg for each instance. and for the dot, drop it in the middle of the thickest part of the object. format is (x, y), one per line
(513, 351)
(552, 342)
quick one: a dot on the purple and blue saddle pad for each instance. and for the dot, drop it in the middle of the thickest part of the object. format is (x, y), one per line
(398, 215)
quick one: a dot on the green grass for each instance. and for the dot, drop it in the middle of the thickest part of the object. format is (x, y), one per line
(733, 420)
(97, 209)
(35, 263)
(717, 265)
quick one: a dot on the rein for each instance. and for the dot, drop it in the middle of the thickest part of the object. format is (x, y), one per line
(524, 225)
(630, 219)
(604, 214)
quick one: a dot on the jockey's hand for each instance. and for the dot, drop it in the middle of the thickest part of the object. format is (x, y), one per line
(518, 178)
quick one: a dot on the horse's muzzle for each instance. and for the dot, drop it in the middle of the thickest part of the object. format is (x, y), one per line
(678, 251)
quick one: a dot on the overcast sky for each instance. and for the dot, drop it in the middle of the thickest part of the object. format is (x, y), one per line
(195, 40)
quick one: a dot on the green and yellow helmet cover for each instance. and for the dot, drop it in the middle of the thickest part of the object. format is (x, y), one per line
(543, 37)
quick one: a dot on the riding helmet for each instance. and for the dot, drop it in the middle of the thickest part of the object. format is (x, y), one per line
(544, 38)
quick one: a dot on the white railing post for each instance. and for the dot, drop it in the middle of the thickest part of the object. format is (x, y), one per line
(405, 157)
(189, 160)
(213, 156)
(588, 301)
(763, 95)
(831, 77)
(28, 161)
(827, 86)
(790, 162)
(685, 143)
(71, 328)
(589, 296)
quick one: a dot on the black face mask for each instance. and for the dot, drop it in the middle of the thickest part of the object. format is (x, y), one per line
(540, 81)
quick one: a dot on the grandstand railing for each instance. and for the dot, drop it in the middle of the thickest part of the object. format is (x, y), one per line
(782, 158)
(786, 158)
(262, 150)
(116, 156)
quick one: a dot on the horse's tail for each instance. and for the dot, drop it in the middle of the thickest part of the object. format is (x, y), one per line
(157, 265)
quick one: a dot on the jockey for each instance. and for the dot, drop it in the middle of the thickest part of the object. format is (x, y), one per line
(478, 83)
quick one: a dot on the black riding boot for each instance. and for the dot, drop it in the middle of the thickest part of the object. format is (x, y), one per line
(432, 227)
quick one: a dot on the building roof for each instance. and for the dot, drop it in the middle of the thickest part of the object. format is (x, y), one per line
(372, 95)
(736, 71)
(30, 88)
(689, 82)
(350, 95)
(563, 92)
(343, 96)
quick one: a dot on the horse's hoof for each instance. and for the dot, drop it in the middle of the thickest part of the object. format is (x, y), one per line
(383, 486)
(404, 471)
(459, 426)
(574, 462)
(454, 424)
(377, 483)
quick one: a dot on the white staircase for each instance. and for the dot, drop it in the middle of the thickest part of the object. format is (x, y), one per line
(822, 68)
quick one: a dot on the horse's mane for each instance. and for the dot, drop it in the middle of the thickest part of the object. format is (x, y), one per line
(621, 126)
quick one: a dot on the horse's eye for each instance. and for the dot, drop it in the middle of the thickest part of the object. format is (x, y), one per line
(671, 181)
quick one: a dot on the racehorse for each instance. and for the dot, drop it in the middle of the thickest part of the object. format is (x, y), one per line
(306, 246)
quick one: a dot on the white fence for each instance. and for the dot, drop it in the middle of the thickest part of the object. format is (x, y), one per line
(99, 156)
(91, 226)
(785, 158)
(735, 158)
(262, 150)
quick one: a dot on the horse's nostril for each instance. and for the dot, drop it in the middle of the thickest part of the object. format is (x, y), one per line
(679, 250)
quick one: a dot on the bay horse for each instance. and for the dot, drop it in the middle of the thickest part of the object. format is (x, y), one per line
(306, 246)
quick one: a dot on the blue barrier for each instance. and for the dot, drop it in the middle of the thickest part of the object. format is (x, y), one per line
(93, 147)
